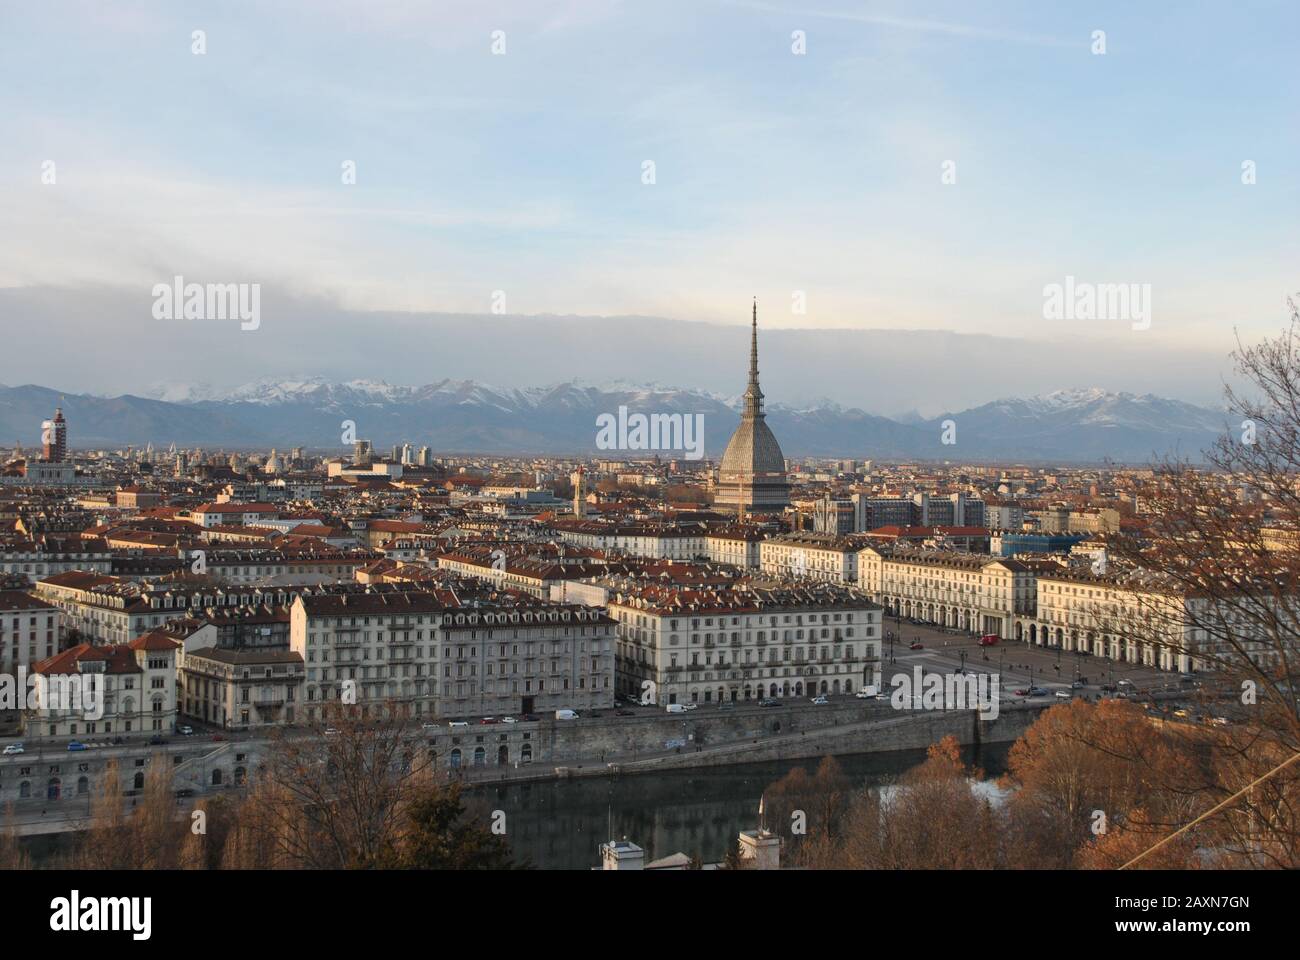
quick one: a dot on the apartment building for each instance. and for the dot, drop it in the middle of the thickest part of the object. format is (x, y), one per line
(30, 630)
(660, 541)
(441, 656)
(742, 642)
(740, 548)
(816, 556)
(974, 592)
(136, 681)
(242, 689)
(114, 610)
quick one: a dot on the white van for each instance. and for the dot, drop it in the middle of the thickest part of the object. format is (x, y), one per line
(566, 714)
(457, 724)
(676, 708)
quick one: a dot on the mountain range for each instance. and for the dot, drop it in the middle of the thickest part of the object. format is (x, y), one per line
(1084, 425)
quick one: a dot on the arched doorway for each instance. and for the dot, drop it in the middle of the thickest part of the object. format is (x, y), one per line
(503, 755)
(53, 788)
(480, 757)
(137, 782)
(216, 776)
(455, 758)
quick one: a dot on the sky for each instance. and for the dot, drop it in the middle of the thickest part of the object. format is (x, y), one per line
(501, 149)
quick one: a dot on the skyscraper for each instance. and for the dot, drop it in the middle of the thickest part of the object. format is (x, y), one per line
(751, 478)
(55, 437)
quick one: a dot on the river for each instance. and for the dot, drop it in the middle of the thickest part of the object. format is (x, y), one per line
(560, 825)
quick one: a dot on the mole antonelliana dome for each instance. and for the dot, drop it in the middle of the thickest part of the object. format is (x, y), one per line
(752, 475)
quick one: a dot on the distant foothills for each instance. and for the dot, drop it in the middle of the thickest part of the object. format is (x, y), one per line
(467, 416)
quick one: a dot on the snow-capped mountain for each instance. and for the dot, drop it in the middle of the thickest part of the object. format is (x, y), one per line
(465, 415)
(1093, 423)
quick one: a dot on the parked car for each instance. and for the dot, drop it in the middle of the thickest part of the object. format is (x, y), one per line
(461, 724)
(185, 730)
(820, 701)
(13, 748)
(487, 720)
(1064, 695)
(1022, 692)
(915, 645)
(509, 720)
(157, 740)
(866, 693)
(74, 745)
(566, 714)
(676, 708)
(529, 717)
(1077, 684)
(1038, 691)
(217, 737)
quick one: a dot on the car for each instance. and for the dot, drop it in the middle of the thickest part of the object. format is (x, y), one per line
(726, 705)
(118, 741)
(428, 726)
(75, 745)
(1022, 692)
(1077, 684)
(866, 693)
(564, 713)
(529, 718)
(820, 701)
(1038, 691)
(676, 708)
(183, 792)
(157, 740)
(185, 730)
(217, 738)
(331, 732)
(1180, 713)
(989, 640)
(13, 748)
(915, 645)
(487, 720)
(1064, 694)
(509, 720)
(461, 724)
(624, 713)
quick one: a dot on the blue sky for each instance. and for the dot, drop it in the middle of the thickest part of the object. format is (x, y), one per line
(774, 172)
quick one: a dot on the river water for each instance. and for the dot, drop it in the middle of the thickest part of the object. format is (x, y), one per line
(560, 825)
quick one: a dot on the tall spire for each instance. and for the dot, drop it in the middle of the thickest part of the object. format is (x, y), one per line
(753, 395)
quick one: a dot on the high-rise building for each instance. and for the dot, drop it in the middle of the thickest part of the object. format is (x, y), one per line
(55, 437)
(752, 475)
